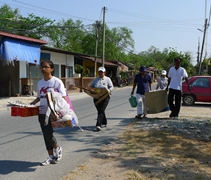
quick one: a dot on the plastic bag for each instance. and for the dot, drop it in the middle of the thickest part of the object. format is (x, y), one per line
(69, 101)
(62, 108)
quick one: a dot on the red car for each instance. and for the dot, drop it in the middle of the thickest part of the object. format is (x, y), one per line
(200, 90)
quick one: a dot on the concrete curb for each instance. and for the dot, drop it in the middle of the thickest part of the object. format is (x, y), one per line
(4, 105)
(27, 99)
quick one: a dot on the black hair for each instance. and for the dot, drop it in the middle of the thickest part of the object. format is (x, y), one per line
(178, 59)
(50, 64)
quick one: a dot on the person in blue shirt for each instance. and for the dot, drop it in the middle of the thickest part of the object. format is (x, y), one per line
(143, 82)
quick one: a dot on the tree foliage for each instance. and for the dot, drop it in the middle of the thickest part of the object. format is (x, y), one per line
(32, 26)
(117, 41)
(67, 35)
(186, 60)
(74, 36)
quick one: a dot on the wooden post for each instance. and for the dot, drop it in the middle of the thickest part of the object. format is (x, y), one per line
(81, 84)
(10, 87)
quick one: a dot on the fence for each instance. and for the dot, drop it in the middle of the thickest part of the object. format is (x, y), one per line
(71, 84)
(4, 89)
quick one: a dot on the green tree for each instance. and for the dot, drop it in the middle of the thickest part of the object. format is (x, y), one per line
(68, 35)
(9, 18)
(186, 61)
(32, 26)
(117, 41)
(72, 36)
(35, 26)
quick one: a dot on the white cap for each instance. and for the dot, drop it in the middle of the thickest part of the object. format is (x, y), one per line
(163, 72)
(101, 69)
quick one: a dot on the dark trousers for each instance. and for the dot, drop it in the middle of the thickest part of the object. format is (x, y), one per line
(174, 95)
(101, 107)
(47, 130)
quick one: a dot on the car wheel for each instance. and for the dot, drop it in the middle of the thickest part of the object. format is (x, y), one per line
(188, 100)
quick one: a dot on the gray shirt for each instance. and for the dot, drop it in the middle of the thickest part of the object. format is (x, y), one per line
(104, 82)
(163, 82)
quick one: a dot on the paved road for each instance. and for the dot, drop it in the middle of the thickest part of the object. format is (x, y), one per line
(22, 147)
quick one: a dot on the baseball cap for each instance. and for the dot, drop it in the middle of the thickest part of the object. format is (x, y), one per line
(163, 72)
(101, 69)
(142, 69)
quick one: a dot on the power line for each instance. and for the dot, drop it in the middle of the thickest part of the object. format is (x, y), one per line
(150, 18)
(158, 24)
(52, 11)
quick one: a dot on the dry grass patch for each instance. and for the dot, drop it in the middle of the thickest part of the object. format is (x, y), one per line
(174, 156)
(149, 155)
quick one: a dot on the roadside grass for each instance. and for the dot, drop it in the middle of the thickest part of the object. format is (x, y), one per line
(149, 155)
(174, 156)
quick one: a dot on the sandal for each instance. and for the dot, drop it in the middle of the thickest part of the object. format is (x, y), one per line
(138, 117)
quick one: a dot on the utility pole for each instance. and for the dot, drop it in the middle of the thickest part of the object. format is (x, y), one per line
(97, 25)
(103, 45)
(198, 53)
(202, 48)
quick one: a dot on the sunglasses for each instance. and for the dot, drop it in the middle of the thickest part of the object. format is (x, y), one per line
(44, 67)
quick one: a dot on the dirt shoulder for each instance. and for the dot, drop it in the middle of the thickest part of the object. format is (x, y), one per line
(156, 148)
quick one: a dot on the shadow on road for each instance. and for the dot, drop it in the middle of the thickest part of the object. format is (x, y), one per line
(17, 166)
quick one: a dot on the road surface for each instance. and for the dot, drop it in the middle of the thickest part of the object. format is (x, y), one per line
(22, 147)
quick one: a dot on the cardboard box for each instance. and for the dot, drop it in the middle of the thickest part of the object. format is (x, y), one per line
(97, 93)
(61, 124)
(24, 111)
(26, 81)
(156, 101)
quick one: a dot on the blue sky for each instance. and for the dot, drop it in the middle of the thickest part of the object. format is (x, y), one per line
(158, 23)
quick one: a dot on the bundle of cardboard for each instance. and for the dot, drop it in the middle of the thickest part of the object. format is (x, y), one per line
(156, 101)
(97, 93)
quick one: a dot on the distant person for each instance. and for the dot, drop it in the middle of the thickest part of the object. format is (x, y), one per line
(119, 80)
(175, 76)
(49, 81)
(143, 82)
(102, 82)
(162, 81)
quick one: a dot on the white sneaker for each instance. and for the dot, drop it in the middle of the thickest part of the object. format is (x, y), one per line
(48, 161)
(98, 128)
(176, 117)
(58, 153)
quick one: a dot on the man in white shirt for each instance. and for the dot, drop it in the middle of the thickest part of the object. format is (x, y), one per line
(175, 76)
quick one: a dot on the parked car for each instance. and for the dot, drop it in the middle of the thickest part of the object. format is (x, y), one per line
(200, 90)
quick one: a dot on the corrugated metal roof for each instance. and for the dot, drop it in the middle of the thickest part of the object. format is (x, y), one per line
(22, 38)
(100, 61)
(14, 49)
(81, 55)
(64, 51)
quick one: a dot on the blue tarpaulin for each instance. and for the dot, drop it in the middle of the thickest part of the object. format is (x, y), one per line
(12, 49)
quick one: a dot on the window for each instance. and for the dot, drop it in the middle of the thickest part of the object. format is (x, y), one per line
(200, 82)
(69, 71)
(45, 56)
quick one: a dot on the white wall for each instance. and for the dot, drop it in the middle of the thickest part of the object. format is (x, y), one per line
(22, 70)
(61, 59)
(22, 73)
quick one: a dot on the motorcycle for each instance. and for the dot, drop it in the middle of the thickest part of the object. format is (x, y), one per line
(125, 82)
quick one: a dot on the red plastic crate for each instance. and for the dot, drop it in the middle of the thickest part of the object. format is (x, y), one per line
(24, 111)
